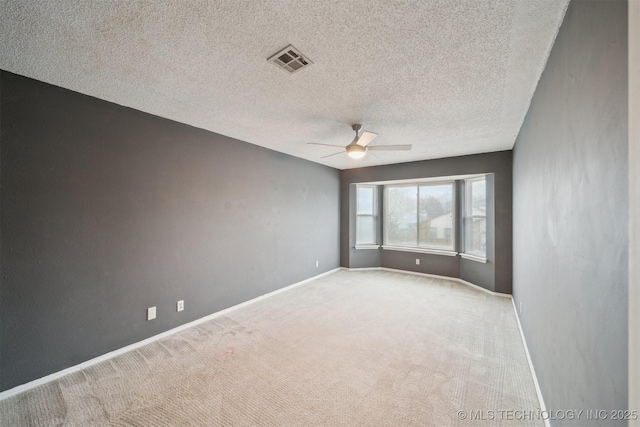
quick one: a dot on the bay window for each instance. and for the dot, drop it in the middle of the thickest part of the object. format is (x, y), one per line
(366, 215)
(420, 216)
(475, 217)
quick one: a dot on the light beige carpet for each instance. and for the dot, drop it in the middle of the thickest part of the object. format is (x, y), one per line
(368, 348)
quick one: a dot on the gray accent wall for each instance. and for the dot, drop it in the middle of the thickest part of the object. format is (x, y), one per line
(107, 211)
(570, 216)
(495, 275)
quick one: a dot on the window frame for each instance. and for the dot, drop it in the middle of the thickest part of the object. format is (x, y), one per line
(467, 203)
(418, 248)
(374, 215)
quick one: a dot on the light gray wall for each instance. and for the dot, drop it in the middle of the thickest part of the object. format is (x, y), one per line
(0, 226)
(570, 215)
(107, 211)
(634, 207)
(495, 275)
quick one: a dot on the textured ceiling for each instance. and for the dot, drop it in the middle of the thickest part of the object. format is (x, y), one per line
(451, 77)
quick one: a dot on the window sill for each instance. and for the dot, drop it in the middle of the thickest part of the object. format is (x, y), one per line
(358, 247)
(474, 258)
(420, 250)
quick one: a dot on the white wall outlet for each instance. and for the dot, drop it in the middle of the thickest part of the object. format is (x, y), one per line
(417, 261)
(180, 305)
(520, 307)
(151, 313)
(317, 263)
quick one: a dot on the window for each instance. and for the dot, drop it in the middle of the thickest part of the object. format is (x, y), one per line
(447, 233)
(420, 215)
(366, 215)
(475, 217)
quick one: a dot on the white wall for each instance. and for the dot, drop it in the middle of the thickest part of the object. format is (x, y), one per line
(634, 208)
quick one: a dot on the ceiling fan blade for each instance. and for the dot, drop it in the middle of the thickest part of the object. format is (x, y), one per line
(366, 138)
(326, 145)
(405, 147)
(334, 154)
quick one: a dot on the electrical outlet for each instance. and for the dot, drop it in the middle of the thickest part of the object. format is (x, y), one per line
(520, 307)
(417, 261)
(151, 313)
(180, 305)
(317, 263)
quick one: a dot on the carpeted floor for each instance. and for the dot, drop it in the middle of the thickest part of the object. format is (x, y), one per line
(367, 348)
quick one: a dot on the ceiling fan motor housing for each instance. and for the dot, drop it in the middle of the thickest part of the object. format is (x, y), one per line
(356, 151)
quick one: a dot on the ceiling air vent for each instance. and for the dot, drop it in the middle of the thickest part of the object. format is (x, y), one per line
(290, 59)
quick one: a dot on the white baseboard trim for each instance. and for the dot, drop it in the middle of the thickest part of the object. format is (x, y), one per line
(435, 276)
(543, 408)
(56, 375)
(362, 269)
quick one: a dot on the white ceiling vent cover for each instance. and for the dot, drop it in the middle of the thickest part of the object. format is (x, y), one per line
(290, 59)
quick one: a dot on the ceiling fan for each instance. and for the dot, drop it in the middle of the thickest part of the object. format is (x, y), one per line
(360, 145)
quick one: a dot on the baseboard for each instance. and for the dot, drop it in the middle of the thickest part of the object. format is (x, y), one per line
(435, 276)
(56, 375)
(543, 408)
(362, 269)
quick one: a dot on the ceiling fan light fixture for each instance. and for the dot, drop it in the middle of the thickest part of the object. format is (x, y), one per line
(356, 151)
(360, 145)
